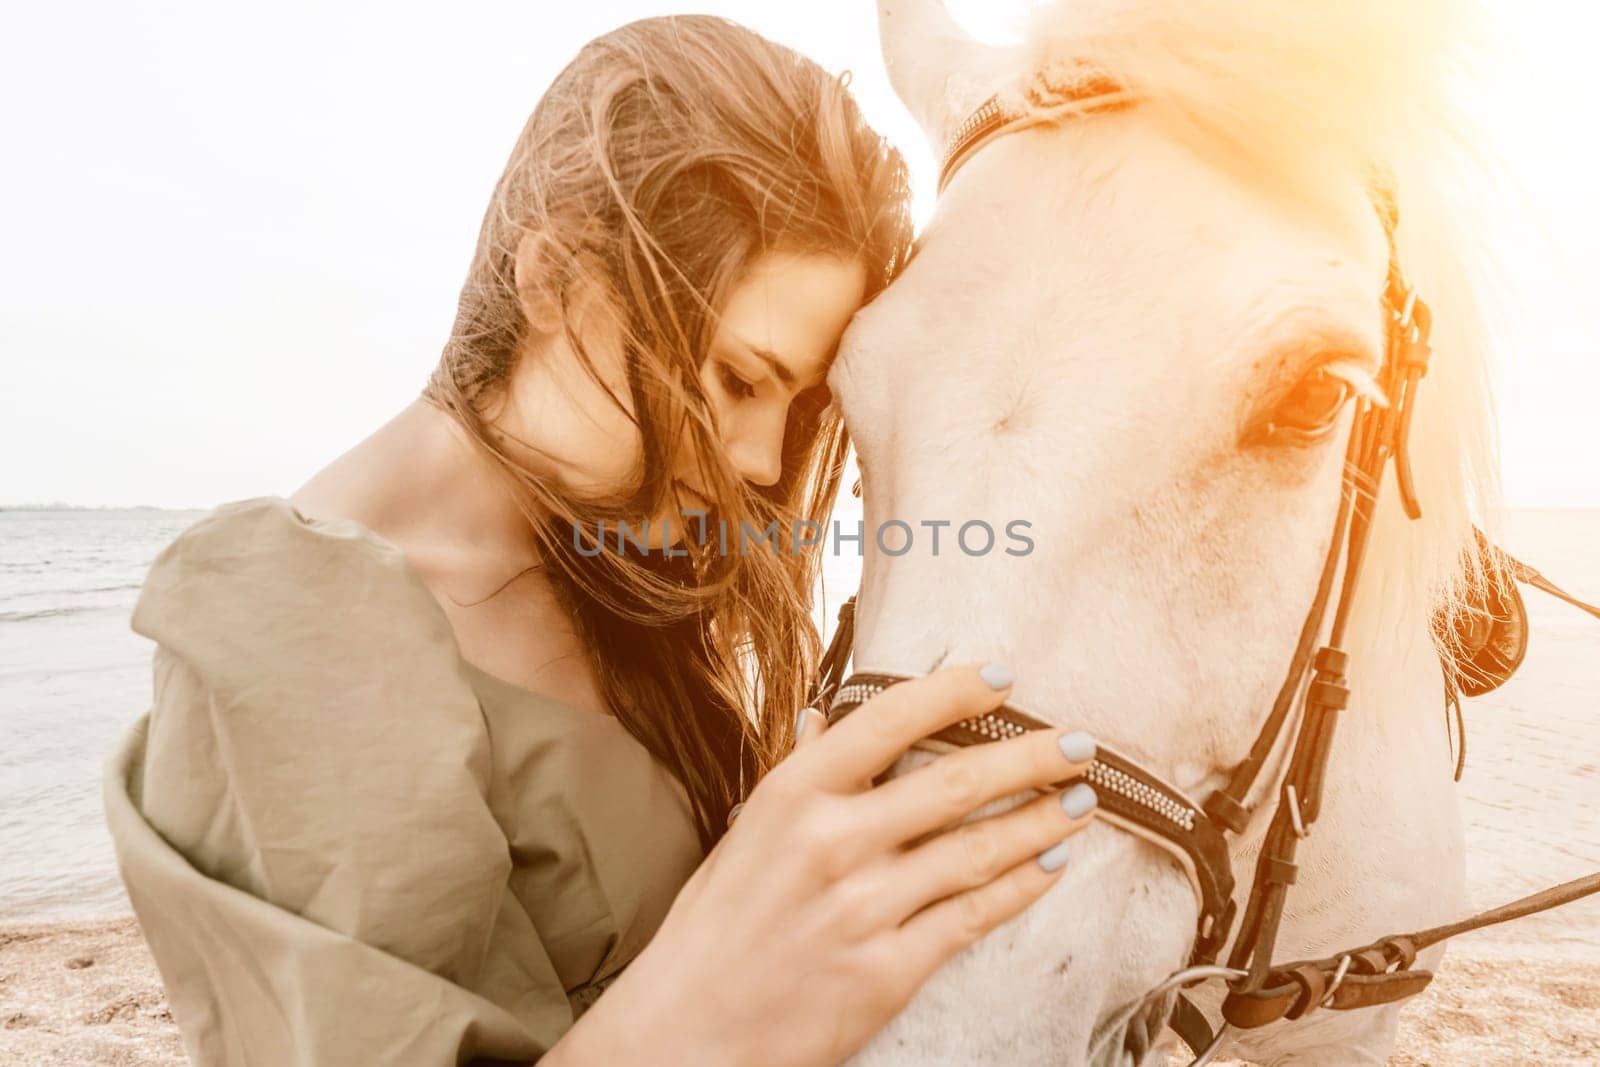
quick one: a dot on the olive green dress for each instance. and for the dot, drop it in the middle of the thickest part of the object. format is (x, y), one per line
(345, 844)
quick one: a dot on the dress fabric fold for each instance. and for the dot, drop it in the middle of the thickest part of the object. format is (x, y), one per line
(347, 845)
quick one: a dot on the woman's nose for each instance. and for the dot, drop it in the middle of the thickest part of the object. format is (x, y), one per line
(759, 456)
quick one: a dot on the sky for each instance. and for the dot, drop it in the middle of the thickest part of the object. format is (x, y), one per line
(231, 236)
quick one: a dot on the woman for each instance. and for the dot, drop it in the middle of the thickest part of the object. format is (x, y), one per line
(433, 759)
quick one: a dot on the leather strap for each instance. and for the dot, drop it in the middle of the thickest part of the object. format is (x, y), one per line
(1378, 435)
(1091, 94)
(1531, 904)
(1528, 576)
(1191, 1025)
(830, 671)
(1379, 973)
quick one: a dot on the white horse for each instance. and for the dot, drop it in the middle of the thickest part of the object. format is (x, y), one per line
(1098, 313)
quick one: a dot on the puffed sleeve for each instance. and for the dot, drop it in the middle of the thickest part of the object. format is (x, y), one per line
(302, 819)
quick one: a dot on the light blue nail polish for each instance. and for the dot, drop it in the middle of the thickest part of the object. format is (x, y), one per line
(1053, 859)
(1078, 800)
(996, 676)
(800, 722)
(1077, 746)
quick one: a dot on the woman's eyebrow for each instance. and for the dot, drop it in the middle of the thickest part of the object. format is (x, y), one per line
(778, 367)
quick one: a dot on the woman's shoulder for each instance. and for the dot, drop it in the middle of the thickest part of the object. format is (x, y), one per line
(312, 741)
(255, 582)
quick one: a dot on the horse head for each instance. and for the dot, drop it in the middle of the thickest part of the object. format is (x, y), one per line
(1130, 346)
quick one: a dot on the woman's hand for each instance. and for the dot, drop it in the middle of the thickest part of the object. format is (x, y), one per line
(830, 901)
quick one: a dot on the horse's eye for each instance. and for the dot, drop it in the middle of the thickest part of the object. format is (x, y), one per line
(1304, 415)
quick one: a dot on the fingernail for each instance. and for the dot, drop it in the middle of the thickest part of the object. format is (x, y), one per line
(1053, 859)
(996, 676)
(1078, 800)
(1077, 746)
(800, 722)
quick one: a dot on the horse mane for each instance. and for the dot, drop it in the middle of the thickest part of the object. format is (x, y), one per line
(1307, 93)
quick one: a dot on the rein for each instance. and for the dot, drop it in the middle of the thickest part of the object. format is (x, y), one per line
(1140, 802)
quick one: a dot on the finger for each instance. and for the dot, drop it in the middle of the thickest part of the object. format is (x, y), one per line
(809, 725)
(951, 787)
(976, 853)
(936, 933)
(862, 744)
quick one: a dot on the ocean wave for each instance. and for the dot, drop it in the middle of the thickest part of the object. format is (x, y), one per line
(51, 613)
(63, 604)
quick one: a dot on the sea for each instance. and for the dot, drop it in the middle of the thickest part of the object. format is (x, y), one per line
(73, 676)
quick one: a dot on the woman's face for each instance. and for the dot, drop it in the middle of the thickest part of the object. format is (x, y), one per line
(775, 340)
(776, 336)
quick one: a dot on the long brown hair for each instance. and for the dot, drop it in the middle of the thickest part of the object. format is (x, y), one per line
(662, 161)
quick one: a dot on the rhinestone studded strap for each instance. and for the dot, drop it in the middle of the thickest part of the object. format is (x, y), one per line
(1131, 798)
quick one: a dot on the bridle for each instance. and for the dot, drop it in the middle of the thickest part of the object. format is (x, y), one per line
(1140, 802)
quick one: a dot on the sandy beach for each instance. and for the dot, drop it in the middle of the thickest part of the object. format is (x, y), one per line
(83, 993)
(87, 993)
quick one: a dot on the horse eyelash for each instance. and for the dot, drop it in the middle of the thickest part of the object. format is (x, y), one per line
(1358, 378)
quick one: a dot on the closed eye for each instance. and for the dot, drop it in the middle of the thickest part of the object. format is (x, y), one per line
(735, 385)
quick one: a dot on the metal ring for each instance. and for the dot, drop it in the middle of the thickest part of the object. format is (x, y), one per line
(1338, 977)
(1299, 825)
(1409, 308)
(1194, 974)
